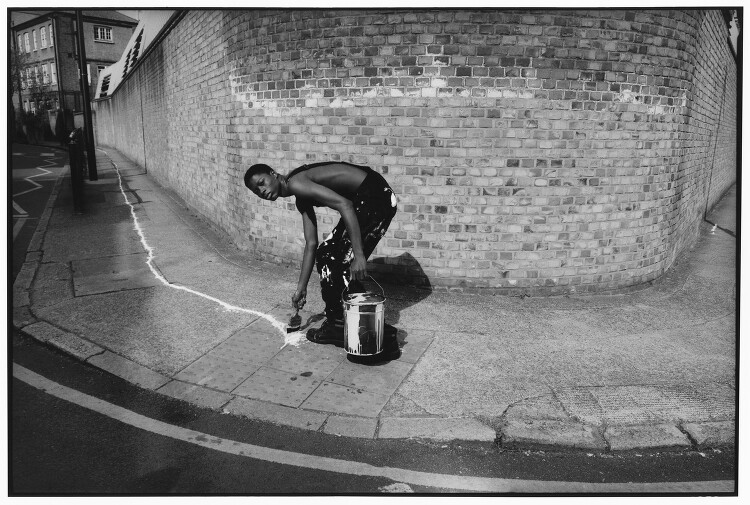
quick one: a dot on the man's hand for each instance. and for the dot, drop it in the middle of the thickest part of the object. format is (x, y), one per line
(299, 298)
(358, 269)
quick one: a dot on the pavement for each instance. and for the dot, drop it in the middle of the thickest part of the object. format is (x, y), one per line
(140, 286)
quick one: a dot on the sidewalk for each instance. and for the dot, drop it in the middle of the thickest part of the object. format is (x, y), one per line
(650, 369)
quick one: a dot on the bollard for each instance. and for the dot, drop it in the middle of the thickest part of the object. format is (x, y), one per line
(75, 155)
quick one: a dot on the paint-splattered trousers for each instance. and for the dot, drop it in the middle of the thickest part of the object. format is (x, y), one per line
(375, 206)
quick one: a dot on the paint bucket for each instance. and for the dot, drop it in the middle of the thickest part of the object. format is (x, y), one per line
(364, 321)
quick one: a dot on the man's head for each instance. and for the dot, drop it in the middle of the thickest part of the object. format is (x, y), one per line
(263, 181)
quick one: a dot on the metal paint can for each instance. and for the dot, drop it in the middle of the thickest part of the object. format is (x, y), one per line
(364, 322)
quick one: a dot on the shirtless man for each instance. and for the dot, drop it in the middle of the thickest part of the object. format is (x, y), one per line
(366, 204)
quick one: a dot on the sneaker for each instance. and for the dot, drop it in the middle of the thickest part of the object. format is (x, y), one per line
(330, 332)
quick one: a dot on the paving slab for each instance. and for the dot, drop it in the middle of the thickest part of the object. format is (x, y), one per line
(254, 343)
(129, 370)
(442, 429)
(356, 427)
(278, 386)
(529, 433)
(329, 397)
(712, 434)
(318, 360)
(382, 378)
(195, 394)
(646, 436)
(217, 372)
(112, 273)
(277, 414)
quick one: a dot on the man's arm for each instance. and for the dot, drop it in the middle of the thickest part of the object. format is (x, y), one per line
(310, 230)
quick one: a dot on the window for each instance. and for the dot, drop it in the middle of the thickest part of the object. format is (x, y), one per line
(26, 105)
(103, 34)
(45, 73)
(51, 38)
(53, 67)
(43, 35)
(33, 36)
(36, 75)
(19, 47)
(88, 72)
(28, 77)
(26, 42)
(33, 106)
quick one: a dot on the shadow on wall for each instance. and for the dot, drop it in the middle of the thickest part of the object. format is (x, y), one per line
(404, 281)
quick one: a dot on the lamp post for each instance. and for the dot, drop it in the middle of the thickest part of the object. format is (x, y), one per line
(90, 152)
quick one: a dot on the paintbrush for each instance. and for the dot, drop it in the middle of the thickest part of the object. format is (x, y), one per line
(294, 322)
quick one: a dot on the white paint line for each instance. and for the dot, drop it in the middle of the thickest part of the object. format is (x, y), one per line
(289, 339)
(398, 475)
(35, 185)
(19, 209)
(18, 226)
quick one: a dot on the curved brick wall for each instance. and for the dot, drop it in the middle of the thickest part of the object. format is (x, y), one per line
(535, 152)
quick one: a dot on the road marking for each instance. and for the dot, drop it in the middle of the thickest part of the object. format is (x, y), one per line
(18, 226)
(294, 338)
(398, 475)
(19, 209)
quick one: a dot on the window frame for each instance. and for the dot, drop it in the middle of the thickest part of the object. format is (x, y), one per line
(45, 73)
(105, 30)
(43, 36)
(53, 73)
(26, 42)
(33, 38)
(51, 37)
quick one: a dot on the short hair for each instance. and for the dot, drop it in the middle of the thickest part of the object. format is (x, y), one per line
(259, 168)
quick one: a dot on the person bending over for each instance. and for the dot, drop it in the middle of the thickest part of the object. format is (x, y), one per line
(366, 204)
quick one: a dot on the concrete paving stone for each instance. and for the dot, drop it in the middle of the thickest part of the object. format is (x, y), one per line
(112, 273)
(518, 433)
(277, 386)
(25, 277)
(630, 404)
(23, 317)
(52, 285)
(330, 397)
(129, 370)
(544, 407)
(278, 414)
(195, 394)
(42, 331)
(413, 344)
(217, 372)
(319, 360)
(90, 241)
(645, 436)
(74, 345)
(355, 427)
(253, 343)
(712, 434)
(382, 378)
(580, 404)
(435, 428)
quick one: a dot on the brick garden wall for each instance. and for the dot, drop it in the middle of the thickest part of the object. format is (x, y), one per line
(532, 152)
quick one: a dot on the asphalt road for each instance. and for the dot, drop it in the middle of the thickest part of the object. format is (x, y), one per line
(34, 170)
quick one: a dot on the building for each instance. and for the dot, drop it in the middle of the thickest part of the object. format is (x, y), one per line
(47, 75)
(533, 151)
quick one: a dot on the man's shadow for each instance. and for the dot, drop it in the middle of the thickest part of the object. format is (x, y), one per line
(405, 284)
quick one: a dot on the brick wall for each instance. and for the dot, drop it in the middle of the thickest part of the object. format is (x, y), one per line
(532, 152)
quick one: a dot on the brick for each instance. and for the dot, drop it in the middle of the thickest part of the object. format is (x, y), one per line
(494, 88)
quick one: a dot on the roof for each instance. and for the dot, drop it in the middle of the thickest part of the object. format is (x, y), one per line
(22, 18)
(149, 28)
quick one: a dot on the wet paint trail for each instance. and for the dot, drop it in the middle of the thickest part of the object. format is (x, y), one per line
(294, 338)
